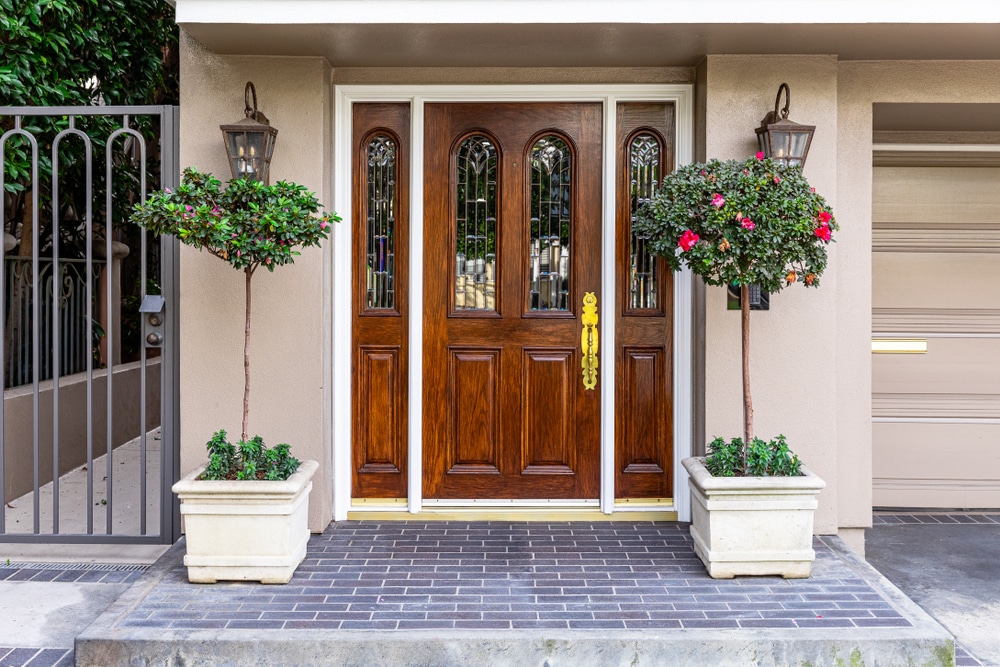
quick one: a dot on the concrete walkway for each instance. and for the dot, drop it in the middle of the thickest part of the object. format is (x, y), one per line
(545, 595)
(949, 564)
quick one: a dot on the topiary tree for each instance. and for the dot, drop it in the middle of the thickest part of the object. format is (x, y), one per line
(248, 224)
(743, 223)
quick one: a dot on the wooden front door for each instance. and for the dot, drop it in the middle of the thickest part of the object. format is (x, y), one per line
(512, 238)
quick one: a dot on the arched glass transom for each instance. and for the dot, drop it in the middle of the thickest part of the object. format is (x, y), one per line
(644, 153)
(381, 251)
(551, 219)
(476, 224)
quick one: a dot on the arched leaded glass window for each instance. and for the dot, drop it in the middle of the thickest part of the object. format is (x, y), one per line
(381, 251)
(644, 160)
(551, 220)
(477, 164)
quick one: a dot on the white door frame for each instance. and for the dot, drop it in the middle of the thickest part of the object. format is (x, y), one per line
(417, 96)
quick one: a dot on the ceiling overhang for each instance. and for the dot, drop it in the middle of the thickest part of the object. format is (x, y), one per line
(589, 33)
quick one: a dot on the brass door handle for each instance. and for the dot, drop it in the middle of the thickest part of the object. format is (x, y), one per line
(589, 341)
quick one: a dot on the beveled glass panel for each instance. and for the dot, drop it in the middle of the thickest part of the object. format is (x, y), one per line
(551, 219)
(476, 224)
(644, 161)
(381, 251)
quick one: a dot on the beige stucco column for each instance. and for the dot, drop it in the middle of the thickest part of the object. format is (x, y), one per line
(290, 399)
(795, 345)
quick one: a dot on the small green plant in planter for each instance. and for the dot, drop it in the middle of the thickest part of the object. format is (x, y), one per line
(251, 460)
(741, 222)
(760, 459)
(250, 225)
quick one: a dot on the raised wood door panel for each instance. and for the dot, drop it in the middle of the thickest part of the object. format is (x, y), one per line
(380, 314)
(505, 411)
(643, 311)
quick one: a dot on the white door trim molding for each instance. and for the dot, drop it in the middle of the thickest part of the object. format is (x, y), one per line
(417, 96)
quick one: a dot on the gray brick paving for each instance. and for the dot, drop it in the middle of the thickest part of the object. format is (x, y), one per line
(505, 575)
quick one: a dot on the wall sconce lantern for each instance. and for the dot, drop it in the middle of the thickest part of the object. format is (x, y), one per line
(250, 142)
(779, 138)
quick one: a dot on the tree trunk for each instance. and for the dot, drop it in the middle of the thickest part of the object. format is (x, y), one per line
(747, 403)
(246, 360)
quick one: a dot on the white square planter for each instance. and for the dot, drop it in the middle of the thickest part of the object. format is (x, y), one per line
(753, 525)
(245, 530)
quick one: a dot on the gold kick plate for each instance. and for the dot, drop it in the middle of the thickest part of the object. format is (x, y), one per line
(589, 341)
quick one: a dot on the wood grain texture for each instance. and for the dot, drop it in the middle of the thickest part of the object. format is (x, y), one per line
(379, 397)
(533, 463)
(643, 345)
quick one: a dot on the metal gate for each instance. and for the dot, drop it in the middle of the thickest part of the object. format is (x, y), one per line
(89, 424)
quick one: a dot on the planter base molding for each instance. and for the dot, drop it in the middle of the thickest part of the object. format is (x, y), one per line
(245, 530)
(753, 525)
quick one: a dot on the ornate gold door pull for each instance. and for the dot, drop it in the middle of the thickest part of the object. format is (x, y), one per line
(589, 341)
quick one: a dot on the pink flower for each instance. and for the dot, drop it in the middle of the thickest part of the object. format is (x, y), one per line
(704, 173)
(824, 218)
(777, 179)
(268, 260)
(234, 236)
(747, 223)
(760, 155)
(216, 212)
(687, 240)
(238, 253)
(718, 201)
(812, 189)
(167, 190)
(823, 232)
(322, 224)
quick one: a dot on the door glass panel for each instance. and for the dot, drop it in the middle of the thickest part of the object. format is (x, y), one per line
(644, 154)
(476, 221)
(381, 254)
(551, 221)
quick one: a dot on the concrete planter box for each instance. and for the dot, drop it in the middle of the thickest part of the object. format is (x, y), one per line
(753, 525)
(245, 530)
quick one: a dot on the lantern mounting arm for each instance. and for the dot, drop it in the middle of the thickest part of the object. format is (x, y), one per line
(251, 111)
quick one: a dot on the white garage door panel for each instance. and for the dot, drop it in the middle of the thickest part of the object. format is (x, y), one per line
(936, 465)
(936, 276)
(929, 281)
(951, 365)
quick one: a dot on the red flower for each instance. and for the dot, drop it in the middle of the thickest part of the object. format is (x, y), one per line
(760, 155)
(747, 223)
(823, 232)
(687, 240)
(824, 218)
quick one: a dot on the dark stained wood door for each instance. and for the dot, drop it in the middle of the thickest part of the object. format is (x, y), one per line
(380, 284)
(512, 238)
(643, 312)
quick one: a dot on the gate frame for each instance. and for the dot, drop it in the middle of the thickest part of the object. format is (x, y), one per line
(169, 506)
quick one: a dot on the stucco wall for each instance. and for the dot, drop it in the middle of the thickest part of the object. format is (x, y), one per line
(289, 339)
(793, 350)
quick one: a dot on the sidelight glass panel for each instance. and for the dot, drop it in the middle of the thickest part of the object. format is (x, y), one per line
(381, 253)
(550, 224)
(476, 221)
(644, 160)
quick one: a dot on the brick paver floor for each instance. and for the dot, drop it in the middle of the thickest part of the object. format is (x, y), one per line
(508, 575)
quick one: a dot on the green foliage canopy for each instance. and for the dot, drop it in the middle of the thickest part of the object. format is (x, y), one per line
(247, 224)
(740, 222)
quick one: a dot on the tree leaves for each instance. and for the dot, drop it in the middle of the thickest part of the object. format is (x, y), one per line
(248, 224)
(781, 242)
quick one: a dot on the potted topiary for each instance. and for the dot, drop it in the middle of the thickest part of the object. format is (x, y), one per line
(246, 511)
(744, 223)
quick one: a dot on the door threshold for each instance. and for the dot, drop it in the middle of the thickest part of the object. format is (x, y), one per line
(507, 510)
